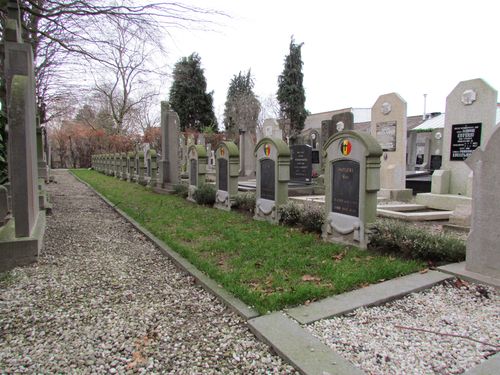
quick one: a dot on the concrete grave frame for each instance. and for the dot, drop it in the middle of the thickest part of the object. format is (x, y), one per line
(273, 156)
(227, 156)
(197, 168)
(351, 224)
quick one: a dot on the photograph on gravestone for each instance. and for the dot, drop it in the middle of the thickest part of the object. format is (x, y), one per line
(386, 135)
(345, 187)
(465, 138)
(267, 180)
(193, 174)
(301, 163)
(223, 174)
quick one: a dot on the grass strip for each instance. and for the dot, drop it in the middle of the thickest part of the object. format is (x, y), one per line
(269, 267)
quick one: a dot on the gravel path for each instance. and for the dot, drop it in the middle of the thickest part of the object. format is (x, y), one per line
(102, 299)
(390, 339)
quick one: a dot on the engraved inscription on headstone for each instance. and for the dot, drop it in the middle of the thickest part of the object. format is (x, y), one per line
(301, 163)
(267, 179)
(193, 175)
(345, 187)
(223, 173)
(465, 138)
(386, 135)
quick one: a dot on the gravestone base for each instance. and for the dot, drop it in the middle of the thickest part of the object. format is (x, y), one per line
(223, 201)
(447, 202)
(266, 210)
(44, 201)
(20, 251)
(191, 190)
(141, 181)
(400, 195)
(349, 230)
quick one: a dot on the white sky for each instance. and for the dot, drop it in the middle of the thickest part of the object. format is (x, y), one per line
(354, 50)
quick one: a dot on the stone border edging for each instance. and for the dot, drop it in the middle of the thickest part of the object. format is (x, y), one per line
(206, 282)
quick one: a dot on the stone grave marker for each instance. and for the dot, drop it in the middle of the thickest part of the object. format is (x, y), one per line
(247, 157)
(140, 166)
(301, 163)
(273, 174)
(388, 127)
(152, 167)
(131, 166)
(469, 123)
(483, 250)
(197, 162)
(352, 180)
(227, 165)
(339, 122)
(168, 166)
(123, 165)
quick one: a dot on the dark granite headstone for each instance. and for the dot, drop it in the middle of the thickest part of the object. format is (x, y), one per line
(315, 157)
(345, 187)
(193, 172)
(436, 161)
(267, 180)
(465, 138)
(223, 172)
(301, 163)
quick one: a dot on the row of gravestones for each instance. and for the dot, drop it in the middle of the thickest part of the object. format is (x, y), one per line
(137, 167)
(351, 178)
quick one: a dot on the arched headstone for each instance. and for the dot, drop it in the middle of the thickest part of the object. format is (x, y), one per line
(227, 163)
(197, 168)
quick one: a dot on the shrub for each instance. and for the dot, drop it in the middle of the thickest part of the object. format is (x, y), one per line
(205, 194)
(395, 237)
(181, 190)
(245, 201)
(289, 213)
(312, 218)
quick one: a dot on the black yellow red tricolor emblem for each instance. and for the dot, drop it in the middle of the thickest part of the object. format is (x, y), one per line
(345, 147)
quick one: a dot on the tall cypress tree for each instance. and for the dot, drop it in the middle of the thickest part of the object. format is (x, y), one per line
(188, 96)
(291, 95)
(242, 107)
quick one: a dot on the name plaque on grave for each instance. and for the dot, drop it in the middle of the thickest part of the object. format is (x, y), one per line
(193, 175)
(301, 163)
(222, 174)
(267, 179)
(315, 157)
(465, 138)
(345, 187)
(386, 135)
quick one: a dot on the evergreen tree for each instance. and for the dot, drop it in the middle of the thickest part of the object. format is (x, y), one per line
(242, 106)
(188, 96)
(291, 95)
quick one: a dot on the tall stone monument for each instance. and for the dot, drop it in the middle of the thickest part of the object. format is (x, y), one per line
(469, 123)
(483, 250)
(352, 180)
(247, 157)
(273, 174)
(388, 127)
(21, 238)
(169, 168)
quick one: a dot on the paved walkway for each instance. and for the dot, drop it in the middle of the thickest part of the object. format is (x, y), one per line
(103, 299)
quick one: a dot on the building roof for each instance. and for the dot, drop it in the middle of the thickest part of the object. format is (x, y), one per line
(438, 122)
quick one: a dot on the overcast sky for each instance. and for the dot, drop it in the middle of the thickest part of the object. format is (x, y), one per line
(354, 50)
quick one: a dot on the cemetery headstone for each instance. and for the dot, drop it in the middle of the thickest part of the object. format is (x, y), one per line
(483, 251)
(123, 165)
(227, 164)
(273, 174)
(247, 157)
(131, 166)
(301, 163)
(169, 167)
(141, 167)
(469, 123)
(352, 180)
(152, 167)
(339, 122)
(388, 127)
(197, 161)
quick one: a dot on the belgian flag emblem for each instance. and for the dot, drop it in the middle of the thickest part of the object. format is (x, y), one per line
(345, 147)
(267, 150)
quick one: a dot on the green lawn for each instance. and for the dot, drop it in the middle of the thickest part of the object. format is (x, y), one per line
(267, 266)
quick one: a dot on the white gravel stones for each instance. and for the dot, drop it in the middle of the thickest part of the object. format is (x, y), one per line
(389, 339)
(102, 299)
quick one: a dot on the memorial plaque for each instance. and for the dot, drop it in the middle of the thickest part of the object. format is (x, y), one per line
(223, 172)
(267, 179)
(345, 187)
(193, 175)
(386, 135)
(465, 138)
(315, 157)
(301, 163)
(436, 161)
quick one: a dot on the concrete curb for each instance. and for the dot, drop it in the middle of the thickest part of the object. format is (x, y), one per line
(458, 270)
(372, 295)
(207, 283)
